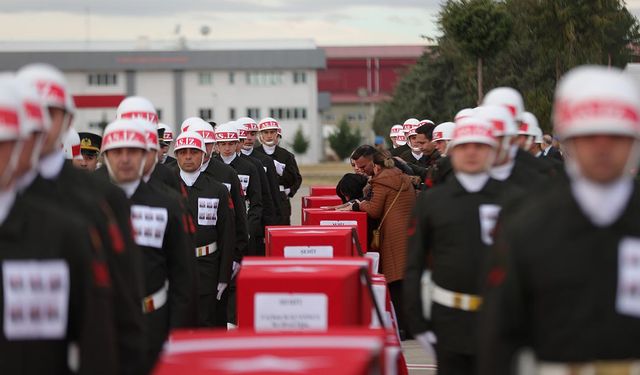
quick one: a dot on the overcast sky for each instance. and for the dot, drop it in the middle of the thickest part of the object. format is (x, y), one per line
(328, 22)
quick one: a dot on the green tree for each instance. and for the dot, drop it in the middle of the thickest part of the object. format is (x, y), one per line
(345, 140)
(480, 27)
(300, 143)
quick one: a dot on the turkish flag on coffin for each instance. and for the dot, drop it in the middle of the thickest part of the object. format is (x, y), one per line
(309, 241)
(303, 294)
(312, 216)
(336, 352)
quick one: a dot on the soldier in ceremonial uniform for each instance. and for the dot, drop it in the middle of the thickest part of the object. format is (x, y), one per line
(158, 226)
(103, 206)
(442, 169)
(407, 126)
(47, 291)
(247, 149)
(285, 162)
(227, 141)
(450, 232)
(396, 135)
(227, 176)
(573, 298)
(211, 206)
(165, 143)
(90, 149)
(135, 107)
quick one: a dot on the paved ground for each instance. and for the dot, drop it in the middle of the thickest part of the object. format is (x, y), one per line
(329, 174)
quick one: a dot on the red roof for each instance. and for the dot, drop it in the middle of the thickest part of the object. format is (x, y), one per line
(345, 52)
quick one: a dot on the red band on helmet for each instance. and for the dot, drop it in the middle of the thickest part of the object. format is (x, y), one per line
(8, 117)
(524, 127)
(242, 133)
(268, 124)
(472, 130)
(152, 137)
(206, 134)
(437, 135)
(123, 136)
(223, 136)
(33, 111)
(498, 125)
(75, 150)
(607, 109)
(168, 136)
(189, 141)
(51, 90)
(149, 116)
(511, 109)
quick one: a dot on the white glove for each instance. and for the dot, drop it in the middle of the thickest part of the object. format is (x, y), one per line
(426, 340)
(287, 191)
(235, 268)
(221, 288)
(279, 167)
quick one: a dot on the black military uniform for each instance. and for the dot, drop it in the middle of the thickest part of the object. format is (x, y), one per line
(400, 150)
(545, 167)
(450, 232)
(212, 207)
(106, 208)
(167, 262)
(228, 176)
(269, 216)
(290, 179)
(162, 173)
(571, 297)
(252, 189)
(440, 171)
(169, 161)
(272, 179)
(55, 290)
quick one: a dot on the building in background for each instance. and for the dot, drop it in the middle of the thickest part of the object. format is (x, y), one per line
(218, 81)
(357, 79)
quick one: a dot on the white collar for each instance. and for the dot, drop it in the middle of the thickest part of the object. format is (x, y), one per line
(416, 156)
(129, 187)
(51, 165)
(513, 151)
(546, 150)
(190, 178)
(502, 172)
(247, 152)
(7, 198)
(472, 183)
(603, 204)
(228, 159)
(539, 154)
(204, 166)
(269, 149)
(26, 180)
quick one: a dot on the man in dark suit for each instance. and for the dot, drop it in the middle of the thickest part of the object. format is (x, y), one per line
(549, 151)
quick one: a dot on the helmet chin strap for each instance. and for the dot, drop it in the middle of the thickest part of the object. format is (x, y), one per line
(528, 143)
(502, 155)
(37, 149)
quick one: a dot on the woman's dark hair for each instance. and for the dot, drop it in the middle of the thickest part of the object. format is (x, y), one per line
(350, 187)
(383, 159)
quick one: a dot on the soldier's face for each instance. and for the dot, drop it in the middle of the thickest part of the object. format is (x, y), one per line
(441, 146)
(393, 141)
(227, 149)
(163, 151)
(209, 148)
(51, 140)
(269, 135)
(151, 158)
(89, 162)
(126, 163)
(6, 150)
(251, 140)
(189, 159)
(472, 158)
(601, 158)
(521, 141)
(28, 146)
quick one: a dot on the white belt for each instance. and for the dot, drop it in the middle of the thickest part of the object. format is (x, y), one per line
(590, 368)
(466, 302)
(206, 250)
(156, 300)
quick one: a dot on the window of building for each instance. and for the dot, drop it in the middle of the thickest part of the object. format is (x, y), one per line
(288, 113)
(232, 113)
(205, 113)
(102, 79)
(159, 112)
(232, 78)
(299, 77)
(264, 78)
(254, 113)
(356, 116)
(205, 78)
